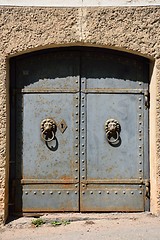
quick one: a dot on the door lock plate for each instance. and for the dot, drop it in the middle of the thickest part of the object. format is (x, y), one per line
(62, 126)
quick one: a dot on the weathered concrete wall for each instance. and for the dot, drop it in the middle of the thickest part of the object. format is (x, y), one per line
(131, 29)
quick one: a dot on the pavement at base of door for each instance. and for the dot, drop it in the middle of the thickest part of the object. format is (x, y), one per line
(77, 226)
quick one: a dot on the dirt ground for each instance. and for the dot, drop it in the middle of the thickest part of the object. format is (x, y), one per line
(77, 226)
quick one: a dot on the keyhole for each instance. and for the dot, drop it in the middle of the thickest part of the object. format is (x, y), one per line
(62, 125)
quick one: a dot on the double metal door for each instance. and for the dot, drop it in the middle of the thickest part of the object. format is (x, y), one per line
(80, 120)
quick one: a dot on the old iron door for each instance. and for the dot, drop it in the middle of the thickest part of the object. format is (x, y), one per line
(80, 89)
(46, 174)
(114, 165)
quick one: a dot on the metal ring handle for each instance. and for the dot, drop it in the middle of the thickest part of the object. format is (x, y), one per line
(117, 137)
(48, 140)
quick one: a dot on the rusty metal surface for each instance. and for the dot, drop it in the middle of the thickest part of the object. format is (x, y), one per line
(79, 170)
(113, 88)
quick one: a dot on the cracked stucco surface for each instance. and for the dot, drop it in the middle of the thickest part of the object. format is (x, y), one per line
(24, 29)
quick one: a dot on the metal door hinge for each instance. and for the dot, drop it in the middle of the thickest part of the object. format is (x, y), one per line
(146, 99)
(147, 192)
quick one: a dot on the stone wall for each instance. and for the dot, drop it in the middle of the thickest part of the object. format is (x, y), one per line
(131, 29)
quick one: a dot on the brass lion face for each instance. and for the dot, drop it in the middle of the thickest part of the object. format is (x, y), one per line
(112, 126)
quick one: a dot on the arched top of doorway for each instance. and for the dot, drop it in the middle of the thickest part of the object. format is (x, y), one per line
(51, 68)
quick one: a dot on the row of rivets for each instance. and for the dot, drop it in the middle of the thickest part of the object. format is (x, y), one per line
(140, 136)
(124, 192)
(43, 193)
(83, 133)
(77, 135)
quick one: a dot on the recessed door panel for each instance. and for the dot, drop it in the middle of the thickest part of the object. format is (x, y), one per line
(119, 160)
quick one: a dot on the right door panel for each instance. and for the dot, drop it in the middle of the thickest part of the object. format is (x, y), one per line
(114, 169)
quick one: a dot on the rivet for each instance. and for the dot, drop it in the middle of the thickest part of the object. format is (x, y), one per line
(43, 192)
(140, 192)
(140, 154)
(83, 185)
(83, 97)
(91, 192)
(140, 162)
(83, 177)
(82, 161)
(26, 193)
(107, 192)
(76, 177)
(76, 97)
(132, 192)
(140, 115)
(76, 161)
(76, 169)
(140, 99)
(82, 81)
(67, 192)
(115, 192)
(139, 107)
(140, 83)
(140, 170)
(83, 192)
(76, 121)
(59, 192)
(140, 147)
(140, 178)
(76, 81)
(76, 185)
(82, 153)
(83, 137)
(124, 192)
(75, 192)
(82, 169)
(140, 139)
(82, 129)
(82, 145)
(76, 105)
(140, 131)
(51, 192)
(35, 193)
(76, 129)
(140, 186)
(140, 123)
(76, 145)
(76, 113)
(76, 153)
(82, 113)
(99, 192)
(76, 137)
(82, 121)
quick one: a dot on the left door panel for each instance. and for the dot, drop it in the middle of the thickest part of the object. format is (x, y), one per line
(47, 173)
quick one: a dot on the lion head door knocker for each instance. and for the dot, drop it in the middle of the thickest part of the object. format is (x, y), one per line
(112, 128)
(48, 129)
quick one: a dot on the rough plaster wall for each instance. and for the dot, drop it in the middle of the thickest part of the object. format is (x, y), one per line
(158, 133)
(26, 29)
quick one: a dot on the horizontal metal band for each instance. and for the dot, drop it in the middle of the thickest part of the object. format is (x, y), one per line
(113, 90)
(116, 181)
(46, 181)
(89, 90)
(46, 90)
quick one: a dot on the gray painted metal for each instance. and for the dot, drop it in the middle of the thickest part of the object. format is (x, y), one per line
(113, 88)
(80, 170)
(49, 172)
